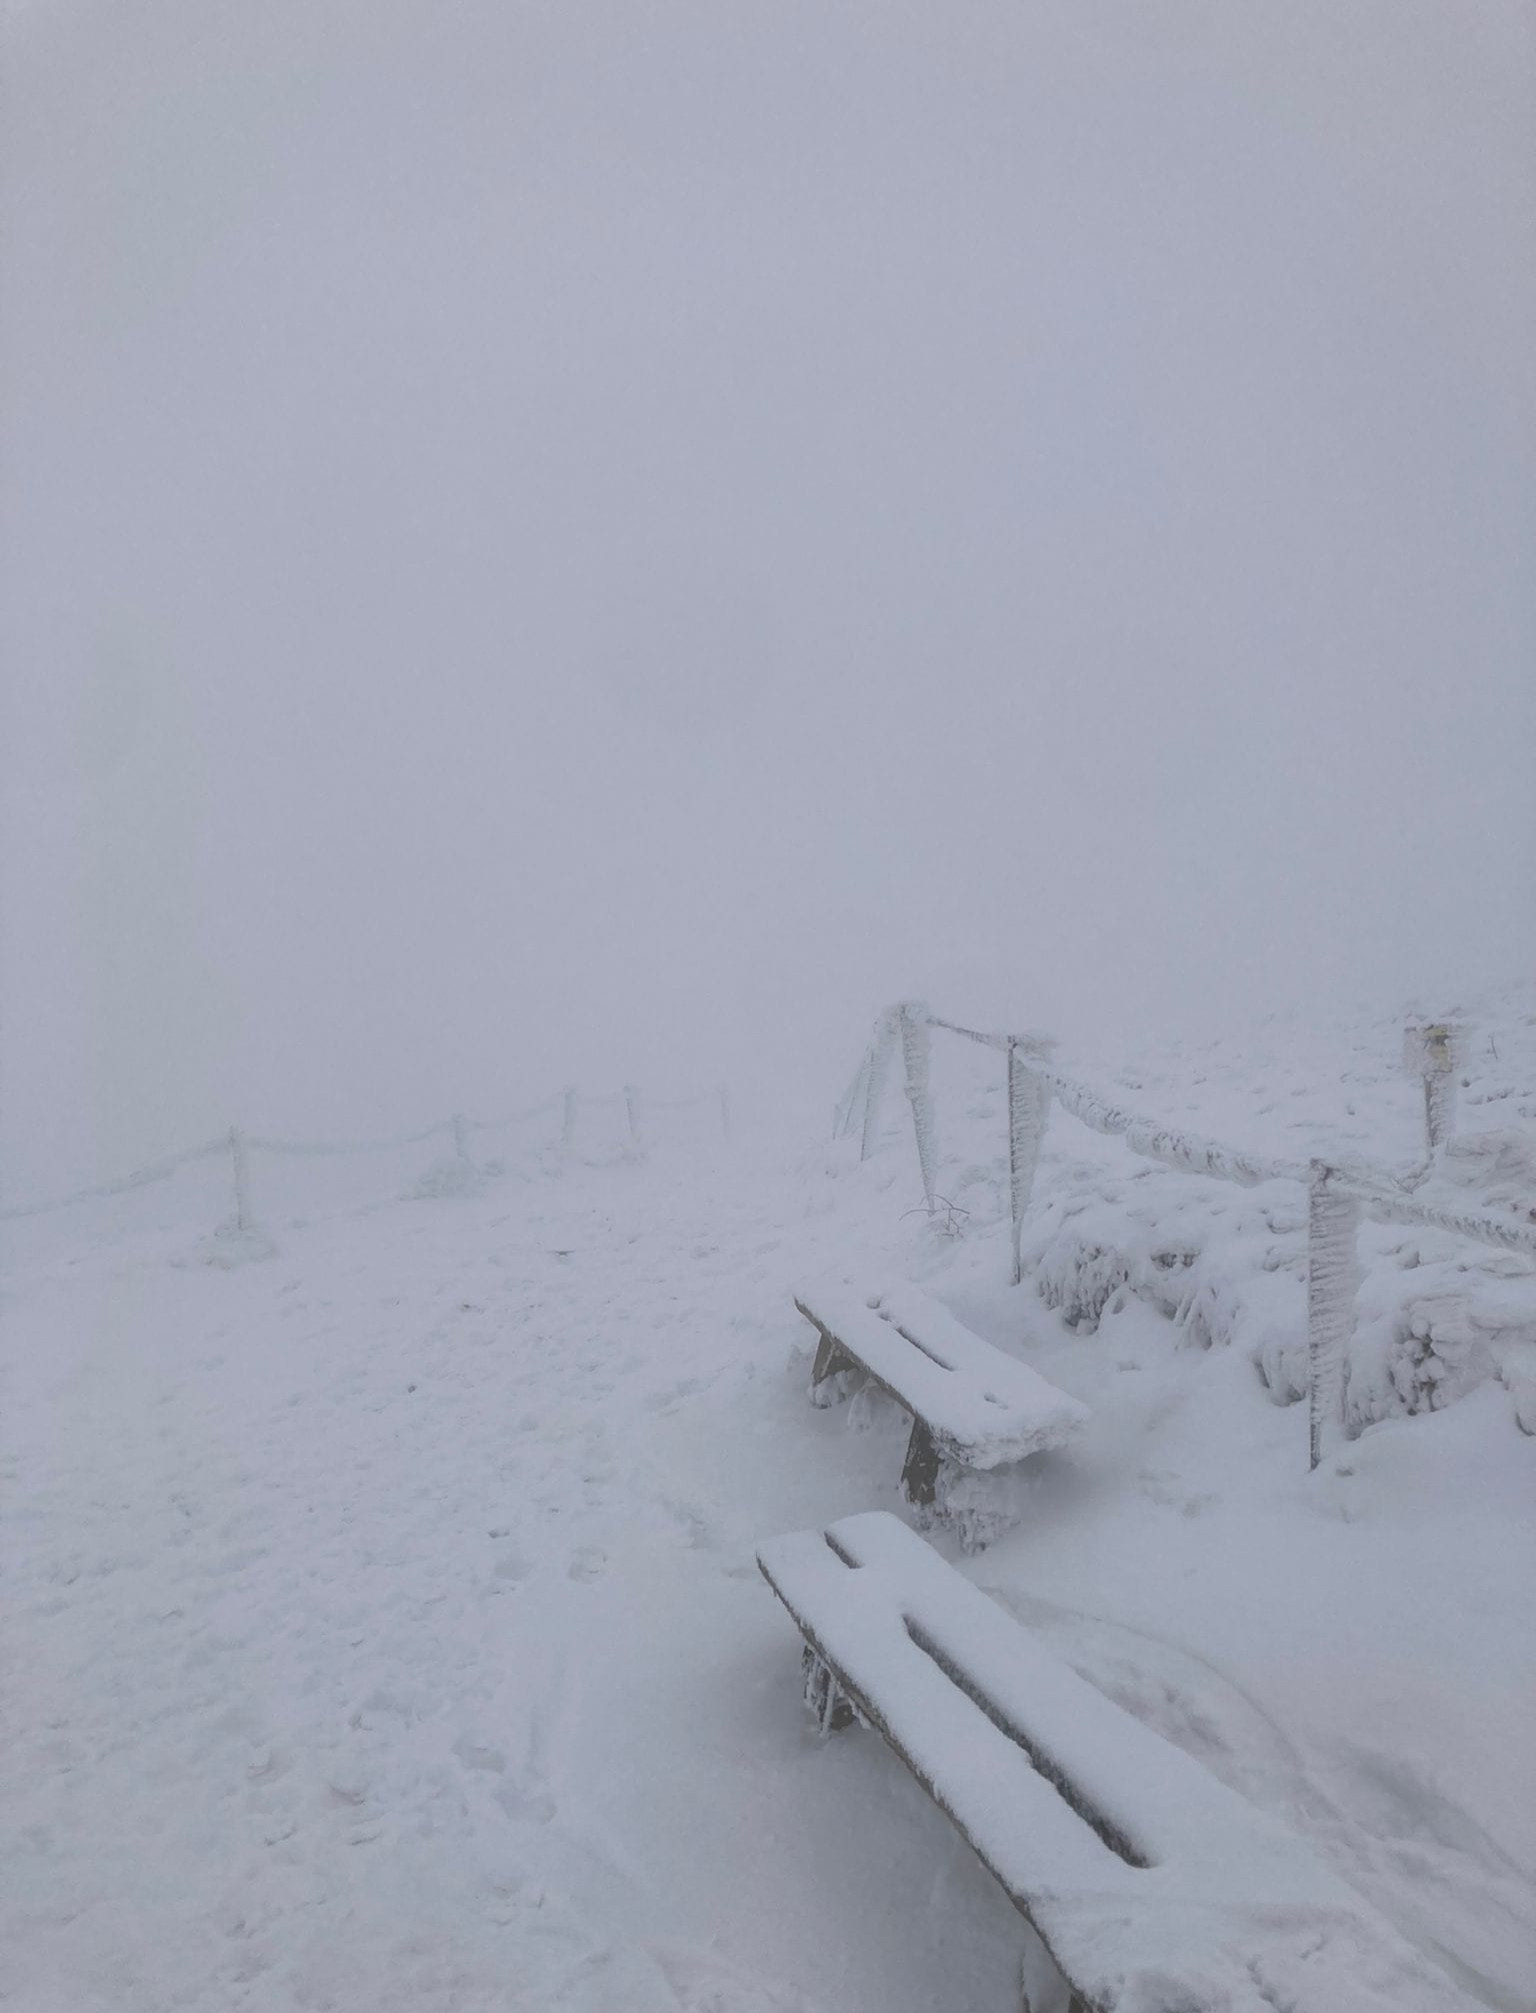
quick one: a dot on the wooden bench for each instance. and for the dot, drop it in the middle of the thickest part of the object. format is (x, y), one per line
(974, 1410)
(1150, 1887)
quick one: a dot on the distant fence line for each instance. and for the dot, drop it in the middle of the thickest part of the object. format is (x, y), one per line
(239, 1144)
(1339, 1192)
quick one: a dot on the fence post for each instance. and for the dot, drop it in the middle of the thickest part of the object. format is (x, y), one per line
(1437, 1071)
(568, 1119)
(461, 1137)
(912, 1023)
(240, 1167)
(1333, 1277)
(874, 1081)
(725, 1112)
(632, 1113)
(1029, 1100)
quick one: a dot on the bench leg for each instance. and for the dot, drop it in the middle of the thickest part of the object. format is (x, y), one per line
(827, 1705)
(1042, 1989)
(976, 1507)
(1072, 2004)
(920, 1470)
(829, 1378)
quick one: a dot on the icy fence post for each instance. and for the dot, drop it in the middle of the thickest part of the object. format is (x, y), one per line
(1430, 1049)
(1029, 1098)
(1333, 1276)
(240, 1167)
(632, 1114)
(460, 1137)
(874, 1081)
(568, 1120)
(725, 1112)
(912, 1021)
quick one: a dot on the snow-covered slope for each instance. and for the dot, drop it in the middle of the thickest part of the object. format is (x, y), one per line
(383, 1624)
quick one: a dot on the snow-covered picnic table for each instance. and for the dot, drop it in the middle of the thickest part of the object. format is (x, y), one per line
(1151, 1887)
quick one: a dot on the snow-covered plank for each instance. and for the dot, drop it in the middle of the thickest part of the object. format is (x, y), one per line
(1154, 1887)
(981, 1407)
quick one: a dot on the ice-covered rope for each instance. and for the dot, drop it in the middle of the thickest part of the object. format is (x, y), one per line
(1383, 1195)
(515, 1117)
(1157, 1141)
(142, 1177)
(1032, 1044)
(161, 1170)
(313, 1147)
(1380, 1197)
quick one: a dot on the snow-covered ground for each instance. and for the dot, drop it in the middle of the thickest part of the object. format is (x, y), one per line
(384, 1634)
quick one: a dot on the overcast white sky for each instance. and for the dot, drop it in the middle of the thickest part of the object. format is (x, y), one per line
(571, 540)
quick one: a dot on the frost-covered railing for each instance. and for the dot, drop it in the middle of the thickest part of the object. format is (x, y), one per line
(1339, 1192)
(239, 1145)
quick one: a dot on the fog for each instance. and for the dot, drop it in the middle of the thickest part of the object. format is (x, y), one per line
(592, 542)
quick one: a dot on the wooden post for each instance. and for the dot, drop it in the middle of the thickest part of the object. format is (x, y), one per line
(1029, 1099)
(568, 1121)
(874, 1082)
(241, 1169)
(632, 1114)
(1439, 1085)
(913, 1027)
(1431, 1053)
(725, 1112)
(1333, 1276)
(460, 1137)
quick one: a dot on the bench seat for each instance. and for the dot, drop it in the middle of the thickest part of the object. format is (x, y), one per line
(1152, 1886)
(981, 1408)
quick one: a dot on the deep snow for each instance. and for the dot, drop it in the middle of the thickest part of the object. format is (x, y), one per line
(384, 1631)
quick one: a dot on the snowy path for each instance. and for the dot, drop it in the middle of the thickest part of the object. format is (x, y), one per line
(396, 1642)
(385, 1633)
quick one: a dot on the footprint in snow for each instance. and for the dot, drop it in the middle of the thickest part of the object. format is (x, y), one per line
(703, 1983)
(480, 1755)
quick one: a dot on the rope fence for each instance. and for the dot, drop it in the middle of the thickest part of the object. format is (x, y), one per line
(1340, 1192)
(239, 1145)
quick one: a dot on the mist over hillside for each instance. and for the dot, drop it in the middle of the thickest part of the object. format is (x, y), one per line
(556, 541)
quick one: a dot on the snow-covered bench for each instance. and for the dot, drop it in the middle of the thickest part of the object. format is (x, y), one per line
(1150, 1886)
(973, 1408)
